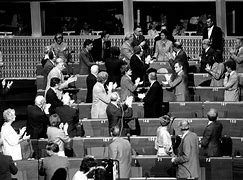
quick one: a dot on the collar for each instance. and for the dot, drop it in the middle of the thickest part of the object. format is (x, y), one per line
(211, 27)
(210, 122)
(114, 103)
(183, 136)
(206, 50)
(178, 52)
(54, 89)
(138, 57)
(152, 83)
(94, 75)
(128, 76)
(180, 72)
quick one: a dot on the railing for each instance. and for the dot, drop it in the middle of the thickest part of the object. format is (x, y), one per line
(22, 54)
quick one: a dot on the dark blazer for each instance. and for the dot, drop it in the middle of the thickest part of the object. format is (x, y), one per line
(113, 68)
(207, 58)
(137, 41)
(90, 82)
(85, 62)
(71, 116)
(114, 115)
(7, 167)
(138, 68)
(52, 99)
(153, 101)
(47, 68)
(37, 122)
(181, 58)
(211, 139)
(188, 157)
(97, 50)
(216, 37)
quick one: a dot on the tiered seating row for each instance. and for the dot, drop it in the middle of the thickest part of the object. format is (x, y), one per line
(216, 168)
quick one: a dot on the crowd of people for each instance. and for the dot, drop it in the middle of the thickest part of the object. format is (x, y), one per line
(128, 74)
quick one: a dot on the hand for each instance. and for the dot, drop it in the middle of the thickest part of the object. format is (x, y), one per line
(4, 82)
(114, 85)
(46, 108)
(72, 79)
(65, 128)
(167, 77)
(9, 84)
(208, 68)
(110, 86)
(165, 82)
(148, 59)
(141, 96)
(142, 43)
(61, 126)
(137, 81)
(22, 131)
(173, 159)
(25, 137)
(129, 101)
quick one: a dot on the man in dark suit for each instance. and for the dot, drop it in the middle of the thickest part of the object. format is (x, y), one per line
(187, 159)
(7, 167)
(115, 112)
(85, 58)
(51, 96)
(207, 56)
(90, 82)
(139, 40)
(101, 49)
(138, 66)
(153, 98)
(4, 88)
(212, 135)
(214, 34)
(38, 120)
(50, 63)
(180, 57)
(70, 115)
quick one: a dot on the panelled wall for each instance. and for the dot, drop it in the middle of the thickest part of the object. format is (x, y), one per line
(22, 54)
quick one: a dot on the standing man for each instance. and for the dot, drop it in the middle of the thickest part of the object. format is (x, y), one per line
(85, 58)
(153, 98)
(188, 153)
(139, 40)
(180, 84)
(214, 34)
(90, 82)
(127, 48)
(120, 149)
(38, 119)
(231, 82)
(101, 49)
(207, 56)
(212, 135)
(237, 55)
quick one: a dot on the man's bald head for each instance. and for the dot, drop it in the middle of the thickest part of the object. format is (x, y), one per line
(212, 115)
(94, 69)
(40, 101)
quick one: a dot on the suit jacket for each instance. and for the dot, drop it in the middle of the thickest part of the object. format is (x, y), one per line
(188, 157)
(153, 101)
(211, 139)
(98, 48)
(70, 115)
(138, 68)
(51, 97)
(90, 82)
(216, 37)
(231, 85)
(114, 115)
(113, 68)
(238, 58)
(137, 41)
(120, 149)
(100, 101)
(85, 62)
(181, 57)
(3, 104)
(126, 51)
(127, 87)
(217, 74)
(37, 122)
(180, 87)
(47, 68)
(51, 164)
(207, 58)
(7, 167)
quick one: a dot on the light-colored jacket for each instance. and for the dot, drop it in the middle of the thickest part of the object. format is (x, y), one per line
(100, 101)
(127, 87)
(231, 85)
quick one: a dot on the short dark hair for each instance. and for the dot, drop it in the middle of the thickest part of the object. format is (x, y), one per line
(152, 76)
(103, 33)
(54, 81)
(54, 120)
(87, 42)
(59, 34)
(230, 64)
(51, 146)
(137, 26)
(165, 32)
(87, 163)
(115, 51)
(211, 17)
(177, 44)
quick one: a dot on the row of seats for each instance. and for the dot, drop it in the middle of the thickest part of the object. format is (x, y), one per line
(98, 146)
(211, 169)
(99, 127)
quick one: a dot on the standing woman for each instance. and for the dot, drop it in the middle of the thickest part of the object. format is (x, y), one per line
(163, 47)
(11, 140)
